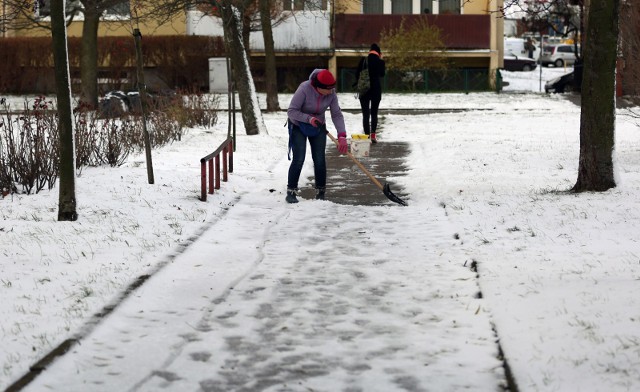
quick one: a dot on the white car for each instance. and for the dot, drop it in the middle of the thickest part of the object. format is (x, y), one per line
(558, 55)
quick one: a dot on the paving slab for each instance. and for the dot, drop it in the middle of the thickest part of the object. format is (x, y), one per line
(348, 184)
(281, 297)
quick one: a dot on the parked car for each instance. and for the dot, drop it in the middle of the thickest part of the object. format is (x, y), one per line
(116, 103)
(518, 63)
(558, 55)
(562, 84)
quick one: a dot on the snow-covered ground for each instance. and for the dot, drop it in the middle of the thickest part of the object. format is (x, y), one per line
(332, 297)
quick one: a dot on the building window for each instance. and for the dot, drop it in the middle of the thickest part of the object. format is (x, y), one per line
(449, 7)
(426, 6)
(121, 9)
(373, 6)
(401, 6)
(304, 5)
(42, 8)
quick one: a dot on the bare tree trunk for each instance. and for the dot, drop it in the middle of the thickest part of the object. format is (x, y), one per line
(597, 119)
(232, 25)
(630, 42)
(67, 184)
(142, 92)
(246, 32)
(270, 72)
(89, 56)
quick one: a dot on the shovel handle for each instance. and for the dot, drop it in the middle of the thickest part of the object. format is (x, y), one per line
(357, 162)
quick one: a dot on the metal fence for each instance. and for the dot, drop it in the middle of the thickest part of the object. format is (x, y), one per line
(450, 80)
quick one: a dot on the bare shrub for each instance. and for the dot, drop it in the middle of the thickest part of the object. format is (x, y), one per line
(200, 110)
(170, 114)
(180, 60)
(29, 148)
(163, 129)
(101, 141)
(29, 152)
(6, 183)
(114, 141)
(86, 132)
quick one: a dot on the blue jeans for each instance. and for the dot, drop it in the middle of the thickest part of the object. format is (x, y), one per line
(299, 149)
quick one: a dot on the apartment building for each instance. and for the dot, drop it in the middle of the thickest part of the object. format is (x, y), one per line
(324, 33)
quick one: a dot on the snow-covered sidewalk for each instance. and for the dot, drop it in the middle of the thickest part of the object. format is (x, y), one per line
(334, 296)
(313, 296)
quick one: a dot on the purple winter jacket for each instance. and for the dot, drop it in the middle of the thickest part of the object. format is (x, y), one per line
(307, 102)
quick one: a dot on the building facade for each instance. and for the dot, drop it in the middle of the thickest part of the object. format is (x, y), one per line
(327, 34)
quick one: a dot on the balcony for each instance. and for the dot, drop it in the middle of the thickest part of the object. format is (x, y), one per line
(458, 32)
(309, 31)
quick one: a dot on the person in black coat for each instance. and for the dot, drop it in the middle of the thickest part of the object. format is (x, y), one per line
(370, 101)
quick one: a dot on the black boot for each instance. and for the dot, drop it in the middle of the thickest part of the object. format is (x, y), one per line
(320, 193)
(291, 196)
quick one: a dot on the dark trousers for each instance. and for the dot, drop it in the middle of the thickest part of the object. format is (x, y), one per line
(299, 149)
(369, 105)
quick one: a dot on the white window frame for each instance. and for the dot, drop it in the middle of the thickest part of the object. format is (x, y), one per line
(305, 5)
(38, 5)
(417, 7)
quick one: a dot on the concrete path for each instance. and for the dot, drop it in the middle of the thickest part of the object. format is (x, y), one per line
(348, 184)
(319, 296)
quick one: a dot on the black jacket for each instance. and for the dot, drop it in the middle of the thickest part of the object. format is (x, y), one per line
(376, 72)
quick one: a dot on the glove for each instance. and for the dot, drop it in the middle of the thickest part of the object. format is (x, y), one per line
(315, 122)
(342, 144)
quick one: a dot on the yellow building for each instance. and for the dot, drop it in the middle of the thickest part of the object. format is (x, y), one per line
(336, 36)
(115, 22)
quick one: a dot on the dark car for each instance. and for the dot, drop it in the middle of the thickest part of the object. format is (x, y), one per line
(562, 84)
(116, 103)
(518, 63)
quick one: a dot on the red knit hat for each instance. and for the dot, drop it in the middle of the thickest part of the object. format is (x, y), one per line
(324, 79)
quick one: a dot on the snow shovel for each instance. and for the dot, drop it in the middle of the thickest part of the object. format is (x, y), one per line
(385, 189)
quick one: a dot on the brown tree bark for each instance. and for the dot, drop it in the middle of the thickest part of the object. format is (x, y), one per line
(232, 25)
(89, 56)
(597, 118)
(270, 72)
(67, 184)
(630, 48)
